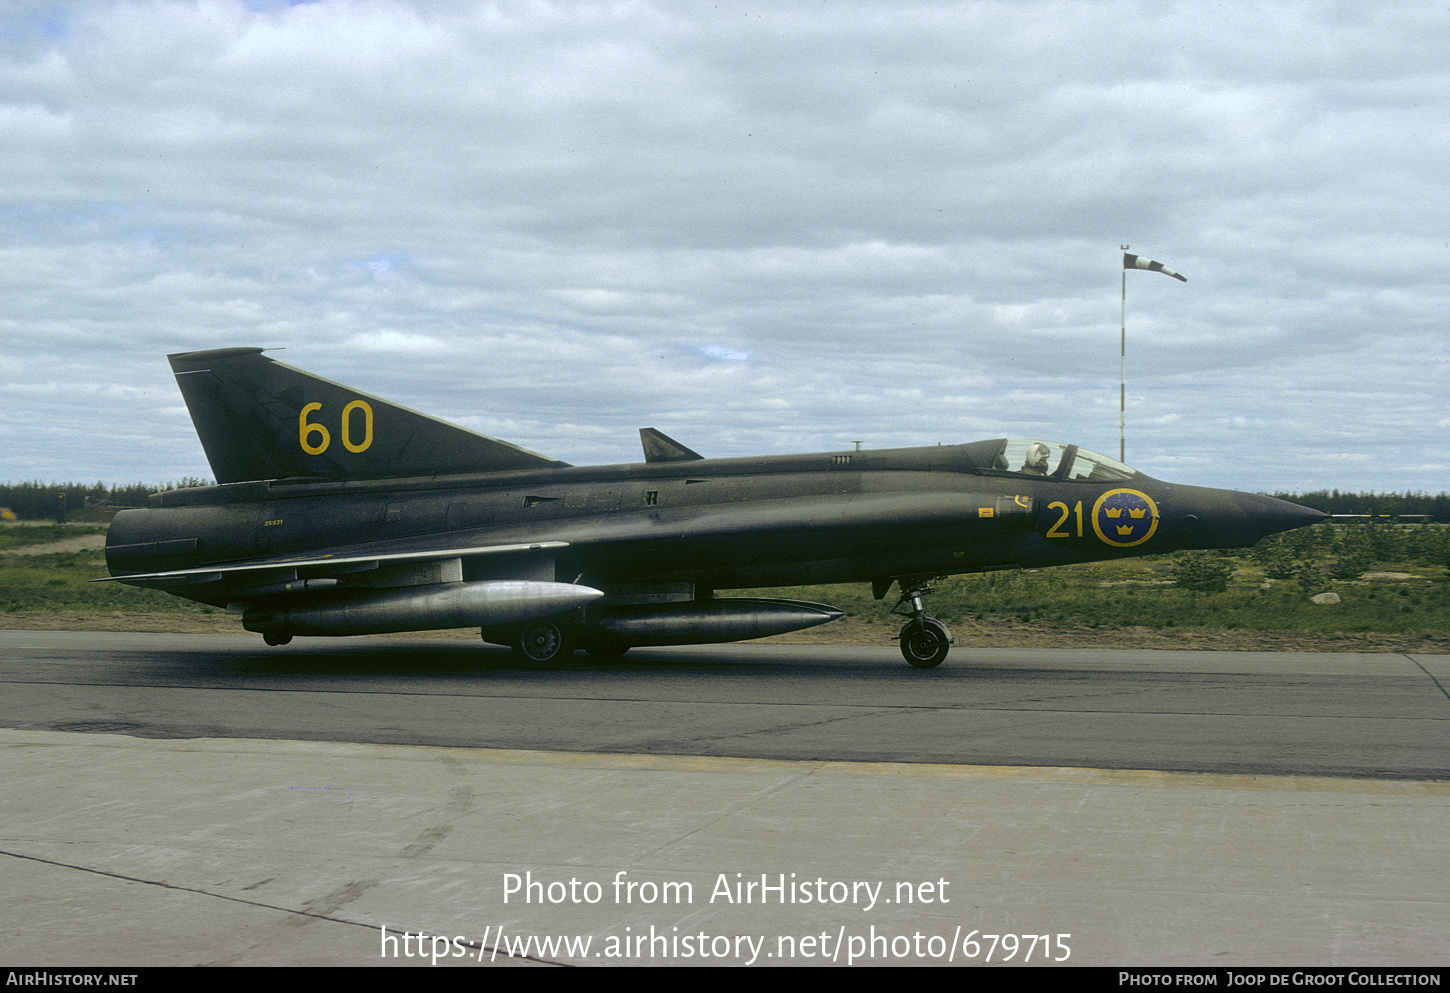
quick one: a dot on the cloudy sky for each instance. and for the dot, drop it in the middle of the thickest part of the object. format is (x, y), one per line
(758, 226)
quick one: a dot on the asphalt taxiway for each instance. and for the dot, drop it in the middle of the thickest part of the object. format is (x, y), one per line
(190, 799)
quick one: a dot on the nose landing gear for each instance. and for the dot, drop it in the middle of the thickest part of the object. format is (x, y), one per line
(925, 640)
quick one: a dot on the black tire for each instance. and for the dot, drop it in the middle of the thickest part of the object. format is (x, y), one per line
(924, 643)
(276, 639)
(542, 643)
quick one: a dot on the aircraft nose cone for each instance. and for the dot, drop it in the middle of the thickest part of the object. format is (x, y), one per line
(1270, 515)
(1207, 518)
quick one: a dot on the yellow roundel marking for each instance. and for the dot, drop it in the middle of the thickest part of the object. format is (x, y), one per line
(1124, 518)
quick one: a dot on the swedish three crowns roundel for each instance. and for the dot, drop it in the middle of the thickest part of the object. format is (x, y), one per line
(1124, 518)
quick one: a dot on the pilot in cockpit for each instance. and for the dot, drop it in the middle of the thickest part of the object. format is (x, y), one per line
(1036, 462)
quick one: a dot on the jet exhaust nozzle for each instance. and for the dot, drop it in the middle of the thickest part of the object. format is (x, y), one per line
(701, 622)
(416, 608)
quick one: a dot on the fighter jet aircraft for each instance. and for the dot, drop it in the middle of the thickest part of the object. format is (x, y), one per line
(338, 513)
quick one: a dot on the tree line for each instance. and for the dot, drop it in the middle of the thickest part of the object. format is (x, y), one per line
(35, 500)
(1436, 508)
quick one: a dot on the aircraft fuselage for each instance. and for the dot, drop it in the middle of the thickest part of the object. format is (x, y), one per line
(341, 513)
(719, 523)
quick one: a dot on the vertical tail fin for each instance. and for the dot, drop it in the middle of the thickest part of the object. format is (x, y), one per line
(260, 419)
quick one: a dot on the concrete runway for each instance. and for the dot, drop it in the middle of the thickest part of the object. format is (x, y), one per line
(1234, 712)
(190, 799)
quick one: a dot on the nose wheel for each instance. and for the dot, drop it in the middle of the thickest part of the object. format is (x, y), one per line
(925, 640)
(924, 643)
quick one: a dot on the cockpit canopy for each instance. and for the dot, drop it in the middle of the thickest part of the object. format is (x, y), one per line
(1054, 461)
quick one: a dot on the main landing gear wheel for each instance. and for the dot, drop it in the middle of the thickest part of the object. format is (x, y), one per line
(276, 639)
(924, 643)
(542, 643)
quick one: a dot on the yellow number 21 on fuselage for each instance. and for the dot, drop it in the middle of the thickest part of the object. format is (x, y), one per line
(1054, 532)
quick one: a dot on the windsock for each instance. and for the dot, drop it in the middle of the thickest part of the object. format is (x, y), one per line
(1138, 262)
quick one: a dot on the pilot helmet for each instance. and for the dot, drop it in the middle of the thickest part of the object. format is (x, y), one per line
(1037, 454)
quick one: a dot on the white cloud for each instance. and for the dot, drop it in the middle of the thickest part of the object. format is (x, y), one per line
(397, 342)
(722, 353)
(551, 214)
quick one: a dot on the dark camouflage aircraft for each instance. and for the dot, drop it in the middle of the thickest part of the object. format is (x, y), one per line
(338, 513)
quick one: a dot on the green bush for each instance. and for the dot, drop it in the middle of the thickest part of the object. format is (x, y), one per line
(1276, 558)
(1201, 572)
(1313, 578)
(1353, 554)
